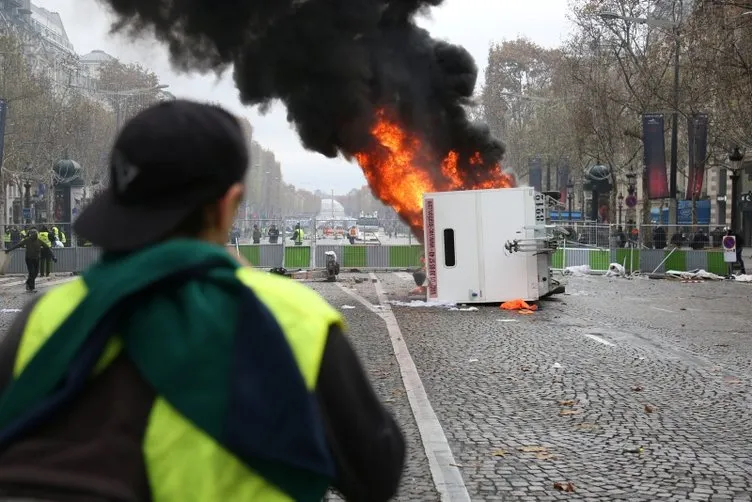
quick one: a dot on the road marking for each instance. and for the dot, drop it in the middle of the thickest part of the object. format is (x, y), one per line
(600, 340)
(404, 276)
(446, 475)
(662, 310)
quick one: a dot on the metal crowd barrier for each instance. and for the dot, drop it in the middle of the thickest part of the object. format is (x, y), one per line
(77, 259)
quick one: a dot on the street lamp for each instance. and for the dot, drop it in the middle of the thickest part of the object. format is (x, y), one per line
(735, 156)
(570, 198)
(665, 23)
(620, 201)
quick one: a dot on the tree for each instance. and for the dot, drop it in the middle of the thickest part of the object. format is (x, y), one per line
(129, 88)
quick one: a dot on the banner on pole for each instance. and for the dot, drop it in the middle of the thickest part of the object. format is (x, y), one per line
(562, 179)
(698, 151)
(654, 145)
(535, 174)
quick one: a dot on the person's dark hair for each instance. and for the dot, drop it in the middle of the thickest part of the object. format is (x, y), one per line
(193, 224)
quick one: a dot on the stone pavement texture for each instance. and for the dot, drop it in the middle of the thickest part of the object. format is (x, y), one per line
(627, 389)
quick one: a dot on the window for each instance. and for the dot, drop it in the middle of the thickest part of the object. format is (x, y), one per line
(450, 259)
(721, 212)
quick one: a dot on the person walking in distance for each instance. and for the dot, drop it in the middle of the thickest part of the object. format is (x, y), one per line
(205, 379)
(34, 249)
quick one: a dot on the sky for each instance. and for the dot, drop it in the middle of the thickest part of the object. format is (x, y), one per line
(474, 24)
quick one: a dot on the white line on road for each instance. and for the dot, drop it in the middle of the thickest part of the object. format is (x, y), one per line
(404, 276)
(662, 310)
(446, 475)
(600, 340)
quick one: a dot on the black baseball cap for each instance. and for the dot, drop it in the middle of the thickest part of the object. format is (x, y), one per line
(168, 161)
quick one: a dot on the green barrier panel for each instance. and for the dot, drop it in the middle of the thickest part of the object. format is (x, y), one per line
(677, 261)
(629, 258)
(599, 259)
(557, 259)
(297, 257)
(716, 264)
(251, 253)
(404, 256)
(354, 256)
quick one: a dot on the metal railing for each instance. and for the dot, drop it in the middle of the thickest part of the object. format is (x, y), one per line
(402, 257)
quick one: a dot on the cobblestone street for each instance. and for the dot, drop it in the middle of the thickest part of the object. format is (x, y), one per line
(627, 389)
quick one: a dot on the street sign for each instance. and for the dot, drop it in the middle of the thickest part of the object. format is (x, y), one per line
(27, 213)
(631, 201)
(729, 249)
(747, 197)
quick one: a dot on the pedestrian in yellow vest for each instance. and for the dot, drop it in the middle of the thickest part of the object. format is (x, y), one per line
(171, 372)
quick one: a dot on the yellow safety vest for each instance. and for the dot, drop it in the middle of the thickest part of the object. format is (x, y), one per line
(45, 237)
(59, 233)
(6, 237)
(182, 462)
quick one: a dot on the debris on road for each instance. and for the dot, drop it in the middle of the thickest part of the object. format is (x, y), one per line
(499, 453)
(566, 412)
(533, 449)
(648, 409)
(578, 270)
(347, 307)
(464, 309)
(639, 450)
(564, 487)
(521, 306)
(699, 274)
(616, 270)
(568, 402)
(637, 388)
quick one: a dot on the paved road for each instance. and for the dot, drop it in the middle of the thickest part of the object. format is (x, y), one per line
(627, 389)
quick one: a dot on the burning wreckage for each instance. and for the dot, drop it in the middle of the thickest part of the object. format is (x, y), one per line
(360, 79)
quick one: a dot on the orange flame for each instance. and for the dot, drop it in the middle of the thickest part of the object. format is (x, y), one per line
(398, 174)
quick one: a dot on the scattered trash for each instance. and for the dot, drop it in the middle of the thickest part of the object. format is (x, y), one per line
(9, 311)
(464, 309)
(545, 456)
(578, 270)
(507, 320)
(533, 449)
(347, 307)
(499, 453)
(565, 412)
(694, 274)
(423, 304)
(743, 278)
(638, 451)
(473, 361)
(615, 270)
(637, 388)
(455, 465)
(564, 487)
(521, 306)
(732, 380)
(648, 409)
(568, 402)
(557, 366)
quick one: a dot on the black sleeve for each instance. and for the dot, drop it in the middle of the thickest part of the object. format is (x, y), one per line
(9, 344)
(366, 442)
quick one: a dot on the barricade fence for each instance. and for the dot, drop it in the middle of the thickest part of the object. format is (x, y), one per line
(401, 257)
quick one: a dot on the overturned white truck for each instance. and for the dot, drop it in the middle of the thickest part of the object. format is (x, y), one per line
(488, 246)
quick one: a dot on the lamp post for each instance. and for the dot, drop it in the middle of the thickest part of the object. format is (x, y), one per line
(620, 203)
(665, 23)
(570, 198)
(735, 156)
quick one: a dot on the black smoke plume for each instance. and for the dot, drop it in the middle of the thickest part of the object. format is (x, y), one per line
(333, 63)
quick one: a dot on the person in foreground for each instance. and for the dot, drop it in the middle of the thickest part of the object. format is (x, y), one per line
(170, 372)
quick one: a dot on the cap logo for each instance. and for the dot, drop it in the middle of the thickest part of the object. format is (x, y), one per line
(124, 172)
